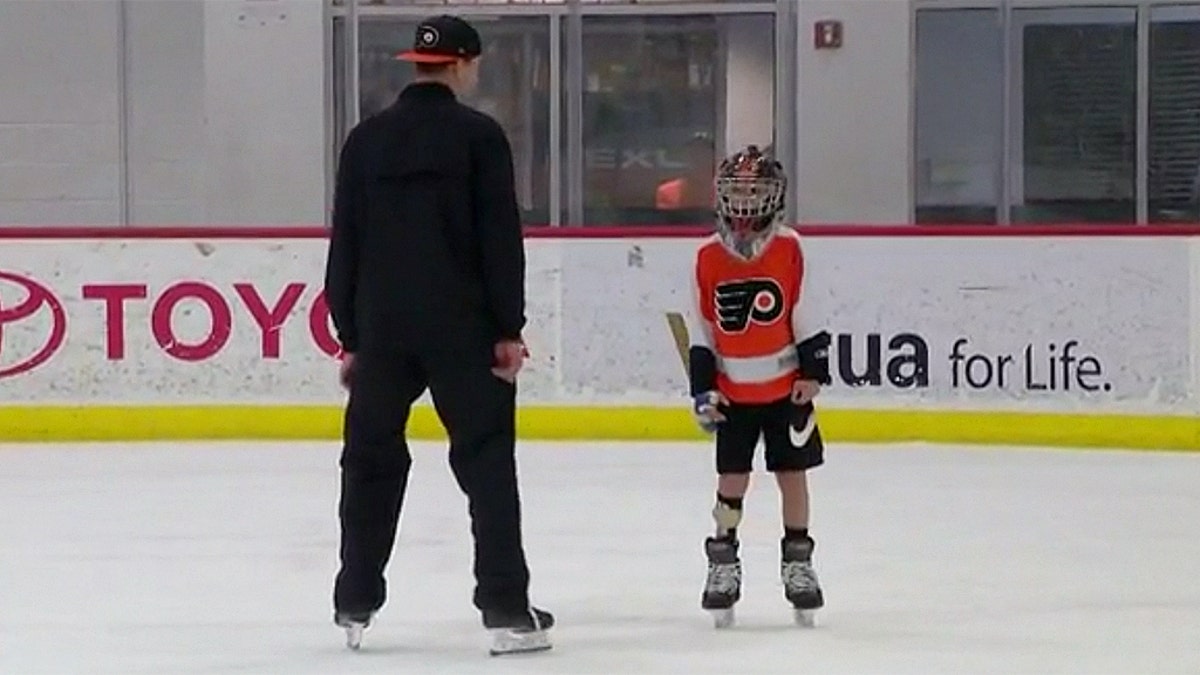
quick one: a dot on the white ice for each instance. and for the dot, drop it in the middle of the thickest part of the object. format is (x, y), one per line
(191, 558)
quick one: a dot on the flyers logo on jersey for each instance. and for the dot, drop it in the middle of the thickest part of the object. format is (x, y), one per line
(741, 302)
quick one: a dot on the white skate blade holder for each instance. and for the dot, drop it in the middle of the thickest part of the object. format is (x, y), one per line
(508, 641)
(723, 618)
(805, 618)
(354, 635)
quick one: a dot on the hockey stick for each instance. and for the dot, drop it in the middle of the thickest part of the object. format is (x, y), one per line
(680, 332)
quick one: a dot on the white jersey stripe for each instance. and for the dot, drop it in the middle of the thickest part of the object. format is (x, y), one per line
(758, 369)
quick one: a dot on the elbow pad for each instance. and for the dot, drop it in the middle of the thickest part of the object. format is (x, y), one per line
(813, 353)
(702, 370)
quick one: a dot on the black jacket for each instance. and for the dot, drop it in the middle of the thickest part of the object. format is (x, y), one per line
(426, 246)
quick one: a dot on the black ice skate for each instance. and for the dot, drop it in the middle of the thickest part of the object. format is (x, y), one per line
(355, 623)
(800, 585)
(723, 588)
(518, 632)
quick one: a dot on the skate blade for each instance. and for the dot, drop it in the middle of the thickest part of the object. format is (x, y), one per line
(354, 635)
(723, 618)
(505, 642)
(805, 618)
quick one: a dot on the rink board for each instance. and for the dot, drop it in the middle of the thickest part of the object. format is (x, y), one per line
(1013, 336)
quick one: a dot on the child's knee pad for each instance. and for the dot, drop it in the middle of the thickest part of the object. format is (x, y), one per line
(727, 516)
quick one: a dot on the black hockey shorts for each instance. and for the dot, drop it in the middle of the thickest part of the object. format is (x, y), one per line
(786, 447)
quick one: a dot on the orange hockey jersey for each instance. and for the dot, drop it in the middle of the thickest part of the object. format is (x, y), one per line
(747, 313)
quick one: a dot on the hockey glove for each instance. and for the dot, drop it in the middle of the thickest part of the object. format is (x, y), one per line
(706, 408)
(813, 354)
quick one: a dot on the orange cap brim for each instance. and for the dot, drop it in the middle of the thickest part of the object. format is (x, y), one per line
(418, 57)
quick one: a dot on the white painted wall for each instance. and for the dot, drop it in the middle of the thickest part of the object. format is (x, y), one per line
(225, 108)
(749, 83)
(854, 126)
(59, 115)
(226, 116)
(265, 112)
(165, 80)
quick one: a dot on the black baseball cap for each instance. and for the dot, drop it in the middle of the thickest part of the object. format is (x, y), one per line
(443, 39)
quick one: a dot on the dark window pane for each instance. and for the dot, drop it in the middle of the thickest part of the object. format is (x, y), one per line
(1174, 184)
(513, 88)
(959, 115)
(663, 99)
(1075, 155)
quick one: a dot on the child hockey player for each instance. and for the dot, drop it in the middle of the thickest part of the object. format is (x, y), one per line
(755, 365)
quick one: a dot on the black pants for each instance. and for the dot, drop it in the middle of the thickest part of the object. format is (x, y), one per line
(478, 411)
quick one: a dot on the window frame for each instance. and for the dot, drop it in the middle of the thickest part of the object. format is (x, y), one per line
(565, 20)
(1001, 187)
(1143, 14)
(1157, 12)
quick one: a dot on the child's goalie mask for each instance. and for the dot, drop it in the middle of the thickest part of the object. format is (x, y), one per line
(750, 194)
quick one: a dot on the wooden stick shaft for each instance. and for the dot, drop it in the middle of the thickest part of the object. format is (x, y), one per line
(682, 341)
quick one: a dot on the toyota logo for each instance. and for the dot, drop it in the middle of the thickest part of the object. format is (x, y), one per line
(33, 324)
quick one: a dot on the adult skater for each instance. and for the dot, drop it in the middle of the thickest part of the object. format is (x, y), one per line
(425, 281)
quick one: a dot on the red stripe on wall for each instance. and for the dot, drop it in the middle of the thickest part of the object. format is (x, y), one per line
(611, 232)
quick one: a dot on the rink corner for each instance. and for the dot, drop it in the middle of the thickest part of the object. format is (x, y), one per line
(600, 423)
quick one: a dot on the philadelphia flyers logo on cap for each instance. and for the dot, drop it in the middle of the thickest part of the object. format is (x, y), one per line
(442, 39)
(428, 36)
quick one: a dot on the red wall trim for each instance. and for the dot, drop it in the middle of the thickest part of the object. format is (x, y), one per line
(630, 232)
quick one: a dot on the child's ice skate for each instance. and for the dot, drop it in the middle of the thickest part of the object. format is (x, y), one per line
(519, 632)
(355, 623)
(723, 588)
(800, 585)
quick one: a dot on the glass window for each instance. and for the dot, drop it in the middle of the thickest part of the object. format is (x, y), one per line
(493, 3)
(513, 88)
(959, 115)
(663, 99)
(1074, 115)
(340, 89)
(1174, 180)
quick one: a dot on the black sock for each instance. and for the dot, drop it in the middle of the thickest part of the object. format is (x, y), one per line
(795, 533)
(732, 502)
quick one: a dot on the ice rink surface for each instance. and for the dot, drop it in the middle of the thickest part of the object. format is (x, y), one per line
(182, 558)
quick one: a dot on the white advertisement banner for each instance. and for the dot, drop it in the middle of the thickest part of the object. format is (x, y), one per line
(1069, 324)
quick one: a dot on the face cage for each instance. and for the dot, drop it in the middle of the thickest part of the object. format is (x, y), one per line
(747, 208)
(758, 198)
